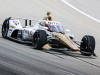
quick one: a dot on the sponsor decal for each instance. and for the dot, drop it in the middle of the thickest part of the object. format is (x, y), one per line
(16, 22)
(53, 23)
(12, 27)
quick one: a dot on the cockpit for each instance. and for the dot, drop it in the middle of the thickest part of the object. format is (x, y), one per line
(55, 27)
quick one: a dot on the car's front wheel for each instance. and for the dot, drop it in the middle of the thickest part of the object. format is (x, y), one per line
(87, 45)
(39, 39)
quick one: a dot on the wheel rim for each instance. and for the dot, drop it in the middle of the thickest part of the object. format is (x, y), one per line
(35, 40)
(83, 45)
(5, 30)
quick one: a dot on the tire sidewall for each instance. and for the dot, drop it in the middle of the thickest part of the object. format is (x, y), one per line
(41, 37)
(88, 45)
(5, 32)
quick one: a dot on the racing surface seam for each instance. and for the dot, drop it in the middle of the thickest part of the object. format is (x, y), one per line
(85, 61)
(58, 55)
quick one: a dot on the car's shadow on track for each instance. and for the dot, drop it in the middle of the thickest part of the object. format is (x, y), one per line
(68, 53)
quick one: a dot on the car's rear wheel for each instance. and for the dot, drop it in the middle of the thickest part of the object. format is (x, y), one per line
(39, 39)
(87, 45)
(5, 28)
(20, 35)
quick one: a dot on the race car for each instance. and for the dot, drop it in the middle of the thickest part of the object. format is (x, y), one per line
(48, 35)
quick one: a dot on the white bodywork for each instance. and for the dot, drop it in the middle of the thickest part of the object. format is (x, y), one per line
(28, 31)
(14, 25)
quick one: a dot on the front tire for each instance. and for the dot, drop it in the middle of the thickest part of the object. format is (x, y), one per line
(39, 39)
(87, 45)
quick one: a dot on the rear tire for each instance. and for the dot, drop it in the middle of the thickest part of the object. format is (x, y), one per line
(39, 39)
(5, 28)
(87, 46)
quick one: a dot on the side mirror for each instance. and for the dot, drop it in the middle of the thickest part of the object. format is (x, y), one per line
(69, 34)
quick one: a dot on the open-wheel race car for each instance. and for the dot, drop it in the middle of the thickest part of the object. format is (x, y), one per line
(46, 35)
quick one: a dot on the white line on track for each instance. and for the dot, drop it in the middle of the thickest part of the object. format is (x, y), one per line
(64, 1)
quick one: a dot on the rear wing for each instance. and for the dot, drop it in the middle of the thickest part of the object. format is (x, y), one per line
(26, 22)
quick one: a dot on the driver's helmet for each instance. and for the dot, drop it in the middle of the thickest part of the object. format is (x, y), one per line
(43, 23)
(48, 13)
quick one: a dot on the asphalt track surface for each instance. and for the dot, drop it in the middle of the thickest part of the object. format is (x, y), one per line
(19, 59)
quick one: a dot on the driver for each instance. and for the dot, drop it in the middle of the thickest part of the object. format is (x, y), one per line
(48, 17)
(43, 23)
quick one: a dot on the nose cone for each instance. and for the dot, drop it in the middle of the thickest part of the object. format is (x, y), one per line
(66, 41)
